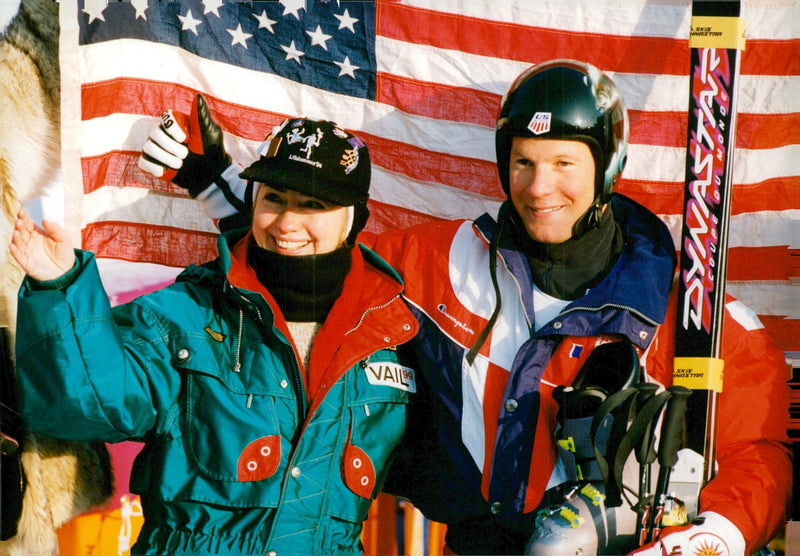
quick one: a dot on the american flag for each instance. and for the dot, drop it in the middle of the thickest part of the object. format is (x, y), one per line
(420, 81)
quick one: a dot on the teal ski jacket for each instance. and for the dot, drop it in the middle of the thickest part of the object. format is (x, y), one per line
(244, 452)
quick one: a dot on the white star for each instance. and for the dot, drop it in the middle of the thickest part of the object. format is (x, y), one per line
(346, 67)
(189, 22)
(292, 53)
(318, 37)
(94, 8)
(346, 21)
(211, 6)
(264, 22)
(239, 36)
(292, 7)
(141, 8)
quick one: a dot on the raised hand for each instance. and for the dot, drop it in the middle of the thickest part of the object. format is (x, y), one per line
(186, 149)
(44, 253)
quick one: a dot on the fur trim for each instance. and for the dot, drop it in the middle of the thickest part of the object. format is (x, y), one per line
(64, 478)
(30, 140)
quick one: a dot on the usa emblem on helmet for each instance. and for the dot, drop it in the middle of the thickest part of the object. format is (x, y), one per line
(540, 123)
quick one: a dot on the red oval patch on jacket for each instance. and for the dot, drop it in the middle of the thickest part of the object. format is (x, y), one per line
(358, 471)
(260, 459)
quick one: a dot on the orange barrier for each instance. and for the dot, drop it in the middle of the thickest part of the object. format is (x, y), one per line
(419, 535)
(102, 533)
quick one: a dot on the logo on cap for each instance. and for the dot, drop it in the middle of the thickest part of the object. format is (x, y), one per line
(310, 141)
(350, 156)
(540, 123)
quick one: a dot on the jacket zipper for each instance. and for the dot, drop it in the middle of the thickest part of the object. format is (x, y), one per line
(528, 320)
(613, 306)
(297, 382)
(367, 311)
(238, 366)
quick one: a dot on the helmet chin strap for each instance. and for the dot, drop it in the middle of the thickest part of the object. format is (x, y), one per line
(589, 220)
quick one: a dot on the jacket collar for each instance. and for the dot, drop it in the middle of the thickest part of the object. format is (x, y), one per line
(349, 333)
(642, 277)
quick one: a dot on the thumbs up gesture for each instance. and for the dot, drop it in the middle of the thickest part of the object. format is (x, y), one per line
(186, 149)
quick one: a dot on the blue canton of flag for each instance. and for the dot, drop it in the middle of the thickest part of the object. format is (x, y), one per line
(576, 350)
(329, 45)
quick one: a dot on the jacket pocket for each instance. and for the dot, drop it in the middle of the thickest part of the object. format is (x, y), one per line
(375, 431)
(233, 429)
(230, 436)
(260, 459)
(377, 423)
(358, 471)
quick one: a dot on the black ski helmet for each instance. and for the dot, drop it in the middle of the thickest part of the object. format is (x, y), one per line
(566, 99)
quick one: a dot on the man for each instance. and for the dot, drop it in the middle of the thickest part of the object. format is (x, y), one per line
(510, 309)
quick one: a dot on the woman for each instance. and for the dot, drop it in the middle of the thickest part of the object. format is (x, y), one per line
(266, 385)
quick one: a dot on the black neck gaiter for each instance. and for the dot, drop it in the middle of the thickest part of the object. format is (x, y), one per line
(306, 286)
(566, 270)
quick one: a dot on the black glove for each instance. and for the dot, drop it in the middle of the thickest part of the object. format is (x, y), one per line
(186, 149)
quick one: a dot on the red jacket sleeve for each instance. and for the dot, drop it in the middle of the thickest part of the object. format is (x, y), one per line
(752, 487)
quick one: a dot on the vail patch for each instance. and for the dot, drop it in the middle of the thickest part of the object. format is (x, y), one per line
(392, 374)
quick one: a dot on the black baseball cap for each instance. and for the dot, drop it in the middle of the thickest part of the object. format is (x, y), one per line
(317, 158)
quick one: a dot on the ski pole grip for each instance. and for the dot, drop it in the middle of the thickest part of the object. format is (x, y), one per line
(671, 427)
(646, 391)
(644, 452)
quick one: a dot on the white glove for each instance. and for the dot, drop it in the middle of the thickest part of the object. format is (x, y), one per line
(716, 535)
(165, 149)
(186, 149)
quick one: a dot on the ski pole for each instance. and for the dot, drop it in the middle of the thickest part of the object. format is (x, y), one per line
(645, 455)
(669, 442)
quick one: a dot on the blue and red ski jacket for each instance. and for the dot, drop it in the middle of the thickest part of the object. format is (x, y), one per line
(484, 443)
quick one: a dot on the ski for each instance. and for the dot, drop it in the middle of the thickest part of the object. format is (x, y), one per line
(716, 42)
